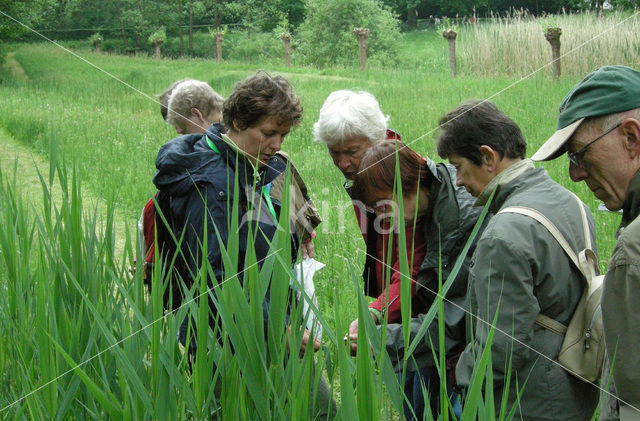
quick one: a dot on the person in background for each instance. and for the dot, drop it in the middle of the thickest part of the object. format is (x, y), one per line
(258, 115)
(599, 129)
(193, 106)
(518, 270)
(163, 98)
(438, 218)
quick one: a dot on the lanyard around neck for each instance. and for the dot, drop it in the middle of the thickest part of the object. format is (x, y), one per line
(265, 189)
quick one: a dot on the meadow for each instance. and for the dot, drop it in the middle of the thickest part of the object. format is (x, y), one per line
(70, 295)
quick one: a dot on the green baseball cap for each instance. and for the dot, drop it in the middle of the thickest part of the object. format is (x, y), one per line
(608, 90)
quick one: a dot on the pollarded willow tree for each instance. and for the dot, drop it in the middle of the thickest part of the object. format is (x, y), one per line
(326, 35)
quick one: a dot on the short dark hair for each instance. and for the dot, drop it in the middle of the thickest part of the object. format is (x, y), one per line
(475, 123)
(260, 96)
(378, 170)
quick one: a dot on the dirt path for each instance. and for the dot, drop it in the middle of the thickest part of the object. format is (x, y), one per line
(14, 67)
(30, 188)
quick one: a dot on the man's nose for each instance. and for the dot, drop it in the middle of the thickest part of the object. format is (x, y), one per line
(577, 173)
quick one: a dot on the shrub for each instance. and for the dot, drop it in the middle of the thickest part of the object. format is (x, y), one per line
(95, 38)
(326, 36)
(158, 37)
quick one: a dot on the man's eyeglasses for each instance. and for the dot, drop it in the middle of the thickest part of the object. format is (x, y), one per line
(576, 158)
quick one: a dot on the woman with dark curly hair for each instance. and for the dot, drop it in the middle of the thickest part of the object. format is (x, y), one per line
(204, 174)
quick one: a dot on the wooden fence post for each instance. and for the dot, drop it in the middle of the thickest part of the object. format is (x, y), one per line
(450, 35)
(219, 36)
(156, 46)
(286, 40)
(552, 35)
(362, 34)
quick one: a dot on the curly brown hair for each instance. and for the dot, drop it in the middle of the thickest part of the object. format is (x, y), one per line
(258, 97)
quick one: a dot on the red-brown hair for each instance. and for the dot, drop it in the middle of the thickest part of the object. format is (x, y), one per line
(378, 169)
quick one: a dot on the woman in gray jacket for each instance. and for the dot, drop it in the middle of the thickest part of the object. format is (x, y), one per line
(518, 271)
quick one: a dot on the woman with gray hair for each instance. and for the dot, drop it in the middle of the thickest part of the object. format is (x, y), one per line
(349, 123)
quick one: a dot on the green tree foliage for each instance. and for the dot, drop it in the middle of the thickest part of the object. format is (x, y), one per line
(407, 10)
(260, 15)
(326, 35)
(462, 8)
(27, 12)
(158, 37)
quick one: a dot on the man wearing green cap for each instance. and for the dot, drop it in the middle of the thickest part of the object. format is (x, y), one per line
(599, 128)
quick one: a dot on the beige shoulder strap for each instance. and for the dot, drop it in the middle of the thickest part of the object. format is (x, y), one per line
(551, 324)
(532, 213)
(586, 261)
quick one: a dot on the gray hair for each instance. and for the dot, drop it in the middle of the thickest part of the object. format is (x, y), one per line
(348, 114)
(163, 98)
(611, 120)
(192, 94)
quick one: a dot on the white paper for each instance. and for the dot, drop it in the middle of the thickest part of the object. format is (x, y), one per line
(304, 274)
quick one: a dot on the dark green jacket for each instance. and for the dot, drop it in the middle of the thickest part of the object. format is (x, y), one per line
(451, 221)
(620, 299)
(517, 272)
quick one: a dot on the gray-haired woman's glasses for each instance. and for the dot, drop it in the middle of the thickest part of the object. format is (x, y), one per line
(576, 158)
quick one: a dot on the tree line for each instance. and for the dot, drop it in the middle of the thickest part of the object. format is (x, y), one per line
(134, 20)
(321, 29)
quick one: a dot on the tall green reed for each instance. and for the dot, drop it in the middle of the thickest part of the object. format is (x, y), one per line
(588, 41)
(97, 346)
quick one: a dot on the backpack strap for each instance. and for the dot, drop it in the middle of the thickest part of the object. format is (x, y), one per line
(532, 213)
(586, 261)
(551, 324)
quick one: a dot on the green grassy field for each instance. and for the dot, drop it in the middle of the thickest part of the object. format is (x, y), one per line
(108, 129)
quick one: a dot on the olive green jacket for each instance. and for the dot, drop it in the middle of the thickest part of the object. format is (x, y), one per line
(517, 272)
(621, 300)
(451, 221)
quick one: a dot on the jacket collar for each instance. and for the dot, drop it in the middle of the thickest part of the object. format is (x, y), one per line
(505, 177)
(631, 207)
(237, 159)
(452, 219)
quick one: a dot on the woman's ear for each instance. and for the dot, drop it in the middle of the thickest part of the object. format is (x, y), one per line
(488, 158)
(196, 112)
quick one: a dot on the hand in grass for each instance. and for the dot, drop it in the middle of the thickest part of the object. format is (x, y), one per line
(308, 249)
(352, 336)
(306, 335)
